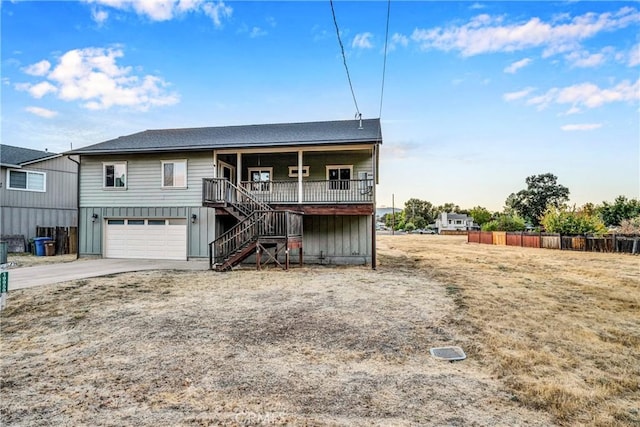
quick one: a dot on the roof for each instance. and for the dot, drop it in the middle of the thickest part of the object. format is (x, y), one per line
(264, 135)
(11, 156)
(458, 216)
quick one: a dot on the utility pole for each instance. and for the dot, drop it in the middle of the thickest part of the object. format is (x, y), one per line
(393, 214)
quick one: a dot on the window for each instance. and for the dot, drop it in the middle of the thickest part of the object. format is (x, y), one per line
(115, 175)
(260, 179)
(27, 180)
(293, 171)
(174, 173)
(156, 222)
(339, 177)
(135, 222)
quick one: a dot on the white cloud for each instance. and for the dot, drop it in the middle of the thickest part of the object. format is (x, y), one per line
(38, 69)
(512, 96)
(37, 90)
(99, 16)
(587, 95)
(584, 59)
(513, 68)
(93, 77)
(362, 41)
(217, 11)
(257, 32)
(398, 39)
(487, 34)
(164, 10)
(634, 56)
(581, 127)
(42, 112)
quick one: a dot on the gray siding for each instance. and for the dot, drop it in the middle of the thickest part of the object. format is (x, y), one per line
(14, 221)
(144, 176)
(23, 211)
(199, 233)
(61, 186)
(338, 239)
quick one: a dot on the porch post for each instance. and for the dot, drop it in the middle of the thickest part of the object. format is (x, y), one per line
(300, 162)
(215, 164)
(238, 173)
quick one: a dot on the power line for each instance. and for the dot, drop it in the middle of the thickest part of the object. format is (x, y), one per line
(384, 62)
(344, 60)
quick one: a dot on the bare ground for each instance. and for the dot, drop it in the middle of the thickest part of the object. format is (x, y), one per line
(317, 346)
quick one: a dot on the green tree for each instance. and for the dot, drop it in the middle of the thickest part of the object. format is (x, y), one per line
(394, 220)
(448, 207)
(505, 223)
(420, 212)
(480, 215)
(565, 221)
(622, 208)
(542, 192)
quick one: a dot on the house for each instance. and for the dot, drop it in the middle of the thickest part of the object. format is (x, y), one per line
(37, 189)
(300, 191)
(448, 221)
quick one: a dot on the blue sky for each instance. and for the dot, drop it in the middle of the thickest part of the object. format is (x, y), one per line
(477, 95)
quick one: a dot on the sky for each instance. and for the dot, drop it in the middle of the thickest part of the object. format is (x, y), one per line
(473, 96)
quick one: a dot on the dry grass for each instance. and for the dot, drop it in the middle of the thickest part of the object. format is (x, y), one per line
(551, 338)
(560, 329)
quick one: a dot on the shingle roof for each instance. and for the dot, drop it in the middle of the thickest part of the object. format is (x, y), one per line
(18, 156)
(266, 135)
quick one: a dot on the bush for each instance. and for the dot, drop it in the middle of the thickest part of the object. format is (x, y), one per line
(630, 226)
(505, 223)
(409, 227)
(573, 221)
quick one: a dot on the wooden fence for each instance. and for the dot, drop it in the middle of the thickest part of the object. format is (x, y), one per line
(66, 238)
(625, 243)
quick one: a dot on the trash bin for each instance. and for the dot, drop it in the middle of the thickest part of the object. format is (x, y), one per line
(32, 246)
(50, 248)
(39, 241)
(4, 248)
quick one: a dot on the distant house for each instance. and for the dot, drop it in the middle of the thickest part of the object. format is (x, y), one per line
(300, 189)
(37, 188)
(448, 221)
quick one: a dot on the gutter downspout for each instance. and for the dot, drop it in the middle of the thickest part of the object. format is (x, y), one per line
(78, 206)
(374, 153)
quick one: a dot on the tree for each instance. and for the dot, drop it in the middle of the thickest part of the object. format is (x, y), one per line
(480, 215)
(448, 207)
(420, 212)
(543, 191)
(565, 221)
(621, 209)
(505, 223)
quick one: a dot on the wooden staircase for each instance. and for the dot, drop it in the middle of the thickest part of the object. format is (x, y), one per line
(259, 226)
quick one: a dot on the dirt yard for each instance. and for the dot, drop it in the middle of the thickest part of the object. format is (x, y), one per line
(551, 338)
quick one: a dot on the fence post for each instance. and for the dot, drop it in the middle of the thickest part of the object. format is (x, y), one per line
(615, 244)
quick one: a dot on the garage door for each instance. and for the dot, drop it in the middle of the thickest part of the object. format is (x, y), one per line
(146, 238)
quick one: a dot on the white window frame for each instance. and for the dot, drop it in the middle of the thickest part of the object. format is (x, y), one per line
(163, 162)
(293, 171)
(27, 172)
(340, 187)
(104, 176)
(260, 186)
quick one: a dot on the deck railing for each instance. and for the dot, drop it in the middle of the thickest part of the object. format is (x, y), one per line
(215, 190)
(260, 224)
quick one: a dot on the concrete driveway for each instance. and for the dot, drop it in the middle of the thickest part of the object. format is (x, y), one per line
(27, 277)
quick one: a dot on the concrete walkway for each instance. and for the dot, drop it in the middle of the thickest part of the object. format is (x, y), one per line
(27, 277)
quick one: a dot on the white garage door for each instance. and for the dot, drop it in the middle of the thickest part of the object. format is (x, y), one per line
(146, 238)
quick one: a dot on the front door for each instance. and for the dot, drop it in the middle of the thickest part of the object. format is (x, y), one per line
(225, 170)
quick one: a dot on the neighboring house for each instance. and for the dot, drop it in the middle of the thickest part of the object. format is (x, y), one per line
(304, 190)
(448, 221)
(37, 188)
